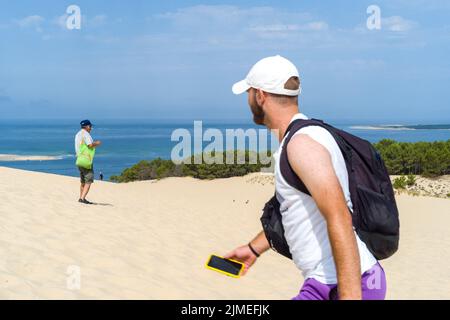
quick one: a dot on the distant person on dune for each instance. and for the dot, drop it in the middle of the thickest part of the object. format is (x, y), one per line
(86, 175)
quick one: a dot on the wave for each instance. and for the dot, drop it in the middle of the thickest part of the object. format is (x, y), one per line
(16, 157)
(381, 128)
(403, 127)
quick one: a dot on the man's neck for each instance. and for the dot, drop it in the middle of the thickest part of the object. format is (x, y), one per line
(282, 121)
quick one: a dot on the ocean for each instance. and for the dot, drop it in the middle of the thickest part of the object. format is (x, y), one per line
(127, 142)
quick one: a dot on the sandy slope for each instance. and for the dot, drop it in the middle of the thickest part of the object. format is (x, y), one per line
(151, 240)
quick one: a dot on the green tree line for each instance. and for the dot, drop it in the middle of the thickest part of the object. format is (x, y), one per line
(420, 158)
(401, 158)
(240, 164)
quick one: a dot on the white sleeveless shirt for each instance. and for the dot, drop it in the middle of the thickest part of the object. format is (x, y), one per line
(304, 225)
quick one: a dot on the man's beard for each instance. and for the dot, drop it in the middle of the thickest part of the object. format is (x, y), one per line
(258, 113)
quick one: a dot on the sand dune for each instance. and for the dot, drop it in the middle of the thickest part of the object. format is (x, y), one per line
(435, 187)
(150, 240)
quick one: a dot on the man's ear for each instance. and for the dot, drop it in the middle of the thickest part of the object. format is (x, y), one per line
(260, 97)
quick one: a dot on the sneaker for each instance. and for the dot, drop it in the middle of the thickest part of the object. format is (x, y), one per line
(85, 201)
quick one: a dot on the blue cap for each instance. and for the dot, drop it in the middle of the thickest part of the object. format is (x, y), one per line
(85, 123)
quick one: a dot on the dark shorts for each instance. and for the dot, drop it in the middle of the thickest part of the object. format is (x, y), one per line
(86, 175)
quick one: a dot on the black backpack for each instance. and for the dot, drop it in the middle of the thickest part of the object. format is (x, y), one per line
(375, 213)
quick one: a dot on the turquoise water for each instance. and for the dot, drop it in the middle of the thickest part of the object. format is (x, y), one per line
(127, 142)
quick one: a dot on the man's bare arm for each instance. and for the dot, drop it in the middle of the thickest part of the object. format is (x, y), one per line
(312, 163)
(260, 243)
(94, 144)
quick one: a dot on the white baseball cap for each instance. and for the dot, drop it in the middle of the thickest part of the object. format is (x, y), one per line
(270, 75)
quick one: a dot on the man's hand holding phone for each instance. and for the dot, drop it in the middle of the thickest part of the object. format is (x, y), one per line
(250, 252)
(243, 254)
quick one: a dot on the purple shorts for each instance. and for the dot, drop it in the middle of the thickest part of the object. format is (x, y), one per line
(373, 284)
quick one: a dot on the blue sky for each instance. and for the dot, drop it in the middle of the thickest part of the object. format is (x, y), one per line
(178, 59)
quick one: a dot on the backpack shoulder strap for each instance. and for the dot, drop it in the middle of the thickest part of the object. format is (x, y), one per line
(285, 168)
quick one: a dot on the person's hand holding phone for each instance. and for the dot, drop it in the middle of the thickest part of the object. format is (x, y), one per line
(243, 254)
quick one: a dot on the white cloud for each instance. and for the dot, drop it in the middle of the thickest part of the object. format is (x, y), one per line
(422, 5)
(102, 39)
(61, 21)
(397, 24)
(312, 26)
(227, 17)
(225, 27)
(283, 31)
(234, 26)
(276, 28)
(33, 21)
(316, 26)
(95, 21)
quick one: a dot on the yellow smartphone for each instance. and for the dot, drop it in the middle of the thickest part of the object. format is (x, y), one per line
(229, 267)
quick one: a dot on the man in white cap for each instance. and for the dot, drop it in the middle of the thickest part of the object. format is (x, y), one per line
(318, 229)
